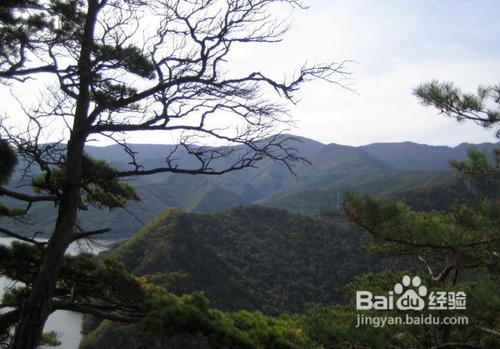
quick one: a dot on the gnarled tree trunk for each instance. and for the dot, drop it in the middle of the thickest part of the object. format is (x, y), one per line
(37, 308)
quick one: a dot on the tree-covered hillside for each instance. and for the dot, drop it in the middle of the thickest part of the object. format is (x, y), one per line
(390, 169)
(414, 156)
(250, 257)
(247, 257)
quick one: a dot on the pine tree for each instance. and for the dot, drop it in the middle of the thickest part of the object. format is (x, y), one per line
(114, 67)
(461, 244)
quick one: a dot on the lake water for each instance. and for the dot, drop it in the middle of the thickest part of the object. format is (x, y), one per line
(67, 324)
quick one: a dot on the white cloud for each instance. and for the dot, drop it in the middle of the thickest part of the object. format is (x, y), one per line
(398, 45)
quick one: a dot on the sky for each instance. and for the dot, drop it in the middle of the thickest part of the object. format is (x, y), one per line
(397, 44)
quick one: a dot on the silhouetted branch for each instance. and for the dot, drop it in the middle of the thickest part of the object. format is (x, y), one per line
(87, 234)
(111, 313)
(26, 197)
(455, 346)
(489, 331)
(21, 237)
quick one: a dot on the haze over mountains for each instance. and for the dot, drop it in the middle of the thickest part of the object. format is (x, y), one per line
(268, 259)
(390, 169)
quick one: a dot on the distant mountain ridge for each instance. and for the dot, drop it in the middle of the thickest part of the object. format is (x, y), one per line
(386, 151)
(377, 169)
(414, 156)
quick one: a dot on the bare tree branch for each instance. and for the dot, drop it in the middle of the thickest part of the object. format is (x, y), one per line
(21, 237)
(26, 197)
(87, 234)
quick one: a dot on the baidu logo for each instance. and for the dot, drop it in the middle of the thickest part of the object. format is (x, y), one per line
(410, 294)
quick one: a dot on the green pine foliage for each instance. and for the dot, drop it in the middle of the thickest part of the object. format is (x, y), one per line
(8, 162)
(100, 184)
(479, 164)
(481, 107)
(457, 248)
(103, 288)
(462, 238)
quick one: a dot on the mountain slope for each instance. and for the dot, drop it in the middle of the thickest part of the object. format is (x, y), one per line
(382, 183)
(414, 156)
(247, 257)
(378, 169)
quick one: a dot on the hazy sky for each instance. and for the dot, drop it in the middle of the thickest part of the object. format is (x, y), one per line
(397, 44)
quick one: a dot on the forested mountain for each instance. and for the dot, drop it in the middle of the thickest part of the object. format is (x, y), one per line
(248, 257)
(414, 156)
(390, 169)
(258, 258)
